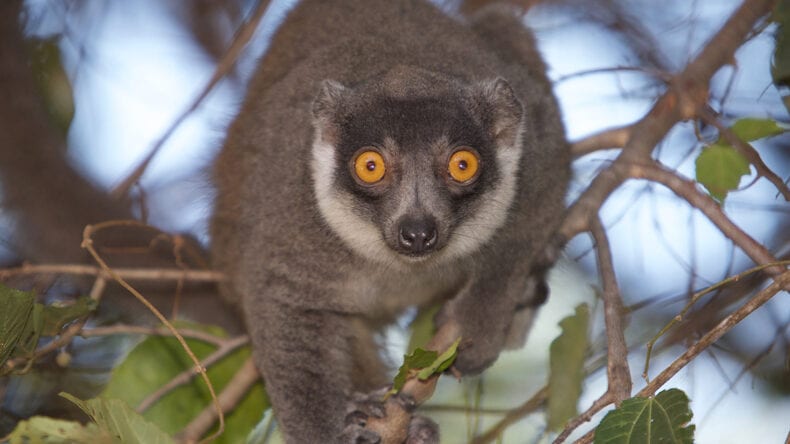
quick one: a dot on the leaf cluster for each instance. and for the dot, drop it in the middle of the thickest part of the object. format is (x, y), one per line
(23, 321)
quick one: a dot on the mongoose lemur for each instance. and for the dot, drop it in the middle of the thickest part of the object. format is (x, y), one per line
(387, 155)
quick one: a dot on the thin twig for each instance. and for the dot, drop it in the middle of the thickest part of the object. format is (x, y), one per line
(185, 376)
(225, 65)
(123, 329)
(606, 139)
(87, 243)
(745, 369)
(229, 398)
(98, 288)
(531, 405)
(135, 274)
(687, 189)
(597, 405)
(694, 298)
(449, 408)
(614, 69)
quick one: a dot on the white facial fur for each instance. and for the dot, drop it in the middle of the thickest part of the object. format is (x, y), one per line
(365, 238)
(476, 230)
(335, 205)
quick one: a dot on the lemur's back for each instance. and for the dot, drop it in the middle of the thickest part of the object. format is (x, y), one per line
(399, 22)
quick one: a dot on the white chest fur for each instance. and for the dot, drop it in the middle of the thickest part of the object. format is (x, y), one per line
(383, 293)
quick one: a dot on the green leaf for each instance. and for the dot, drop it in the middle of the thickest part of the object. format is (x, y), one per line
(156, 360)
(120, 421)
(425, 363)
(720, 168)
(422, 328)
(17, 326)
(661, 419)
(43, 430)
(750, 129)
(54, 317)
(566, 360)
(32, 331)
(417, 359)
(23, 321)
(442, 362)
(52, 81)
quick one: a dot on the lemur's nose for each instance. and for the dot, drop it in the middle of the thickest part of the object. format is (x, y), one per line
(417, 235)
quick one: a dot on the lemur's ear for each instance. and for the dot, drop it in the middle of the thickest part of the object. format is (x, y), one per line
(502, 105)
(326, 106)
(328, 99)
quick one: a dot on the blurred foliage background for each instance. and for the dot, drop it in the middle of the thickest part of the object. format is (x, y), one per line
(116, 75)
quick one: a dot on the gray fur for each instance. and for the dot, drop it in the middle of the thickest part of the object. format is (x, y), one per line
(311, 254)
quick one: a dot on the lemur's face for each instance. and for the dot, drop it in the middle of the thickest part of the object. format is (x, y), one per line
(418, 178)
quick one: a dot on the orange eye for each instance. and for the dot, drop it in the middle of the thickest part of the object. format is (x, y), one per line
(369, 167)
(463, 165)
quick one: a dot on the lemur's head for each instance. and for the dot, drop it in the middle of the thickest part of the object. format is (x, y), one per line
(411, 166)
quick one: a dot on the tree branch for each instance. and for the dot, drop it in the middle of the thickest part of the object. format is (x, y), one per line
(687, 189)
(687, 92)
(610, 138)
(618, 374)
(141, 274)
(532, 404)
(122, 329)
(617, 371)
(780, 282)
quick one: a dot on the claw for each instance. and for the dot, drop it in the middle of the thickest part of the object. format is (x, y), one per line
(367, 404)
(406, 401)
(422, 430)
(364, 406)
(354, 434)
